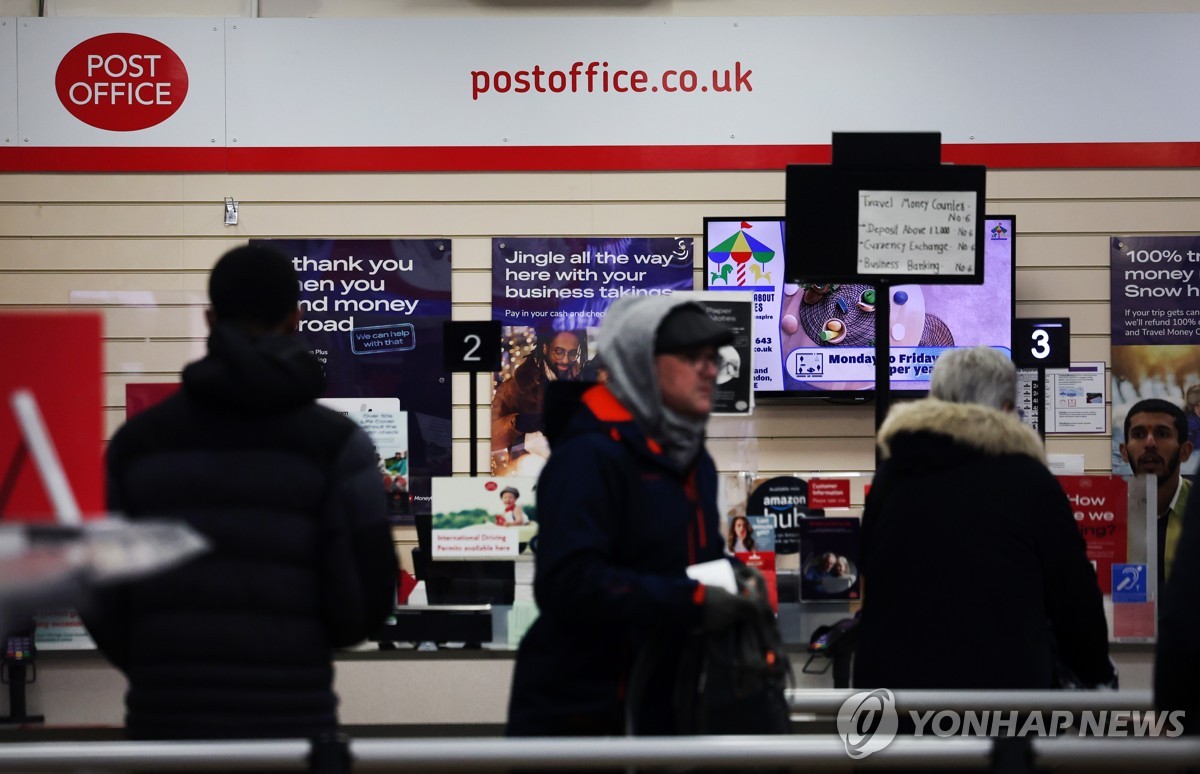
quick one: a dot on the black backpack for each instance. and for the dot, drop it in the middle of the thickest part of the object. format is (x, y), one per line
(733, 681)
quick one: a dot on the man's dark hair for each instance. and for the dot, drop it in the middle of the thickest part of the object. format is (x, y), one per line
(253, 285)
(1159, 406)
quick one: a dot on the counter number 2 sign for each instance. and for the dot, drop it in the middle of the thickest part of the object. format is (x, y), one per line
(1042, 342)
(471, 346)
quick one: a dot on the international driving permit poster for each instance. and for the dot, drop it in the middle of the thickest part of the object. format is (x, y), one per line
(483, 518)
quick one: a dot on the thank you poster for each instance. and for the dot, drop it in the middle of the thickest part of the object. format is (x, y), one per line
(372, 314)
(1155, 329)
(550, 294)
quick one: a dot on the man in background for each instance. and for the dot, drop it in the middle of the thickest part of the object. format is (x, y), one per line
(517, 404)
(1177, 655)
(237, 643)
(1156, 443)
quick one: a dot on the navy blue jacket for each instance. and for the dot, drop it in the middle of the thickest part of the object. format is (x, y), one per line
(619, 523)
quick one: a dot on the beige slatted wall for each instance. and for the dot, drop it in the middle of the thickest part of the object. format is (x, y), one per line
(137, 247)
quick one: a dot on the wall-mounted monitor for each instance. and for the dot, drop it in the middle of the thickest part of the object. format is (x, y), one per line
(817, 340)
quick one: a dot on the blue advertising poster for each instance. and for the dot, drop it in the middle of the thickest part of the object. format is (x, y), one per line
(1155, 294)
(373, 313)
(550, 294)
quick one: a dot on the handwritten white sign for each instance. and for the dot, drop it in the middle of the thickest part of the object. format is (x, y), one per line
(916, 232)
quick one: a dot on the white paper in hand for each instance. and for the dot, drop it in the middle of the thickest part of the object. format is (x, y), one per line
(718, 572)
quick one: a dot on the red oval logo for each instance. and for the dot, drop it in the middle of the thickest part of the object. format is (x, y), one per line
(121, 82)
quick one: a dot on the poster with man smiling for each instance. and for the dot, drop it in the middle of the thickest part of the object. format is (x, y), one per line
(550, 294)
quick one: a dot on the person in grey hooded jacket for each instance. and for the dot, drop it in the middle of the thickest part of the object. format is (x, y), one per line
(626, 503)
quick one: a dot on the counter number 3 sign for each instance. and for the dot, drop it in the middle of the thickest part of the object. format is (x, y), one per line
(1042, 342)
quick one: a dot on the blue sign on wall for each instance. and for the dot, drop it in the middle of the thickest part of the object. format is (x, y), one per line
(1129, 582)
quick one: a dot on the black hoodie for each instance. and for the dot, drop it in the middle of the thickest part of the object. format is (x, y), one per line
(237, 642)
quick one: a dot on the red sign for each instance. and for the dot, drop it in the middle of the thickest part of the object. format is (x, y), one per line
(829, 493)
(764, 562)
(58, 358)
(1134, 620)
(1101, 506)
(121, 82)
(140, 396)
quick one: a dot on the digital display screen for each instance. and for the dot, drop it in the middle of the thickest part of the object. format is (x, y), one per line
(818, 339)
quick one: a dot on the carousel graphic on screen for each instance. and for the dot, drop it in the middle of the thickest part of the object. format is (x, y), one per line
(742, 261)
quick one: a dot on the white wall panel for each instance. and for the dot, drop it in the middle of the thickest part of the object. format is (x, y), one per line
(154, 356)
(729, 188)
(89, 255)
(199, 121)
(62, 289)
(1025, 79)
(8, 82)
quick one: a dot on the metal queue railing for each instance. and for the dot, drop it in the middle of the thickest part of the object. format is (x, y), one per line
(824, 752)
(799, 751)
(827, 701)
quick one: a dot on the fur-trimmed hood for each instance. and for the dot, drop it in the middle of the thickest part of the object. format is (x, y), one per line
(978, 427)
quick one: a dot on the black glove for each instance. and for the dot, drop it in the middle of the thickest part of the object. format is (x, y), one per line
(750, 582)
(528, 423)
(722, 609)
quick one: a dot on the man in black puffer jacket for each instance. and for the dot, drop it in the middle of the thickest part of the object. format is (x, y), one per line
(238, 642)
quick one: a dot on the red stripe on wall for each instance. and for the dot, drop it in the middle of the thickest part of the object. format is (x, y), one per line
(1077, 155)
(690, 157)
(565, 158)
(571, 158)
(113, 159)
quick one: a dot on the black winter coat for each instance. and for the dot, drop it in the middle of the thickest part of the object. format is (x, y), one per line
(237, 642)
(975, 575)
(619, 524)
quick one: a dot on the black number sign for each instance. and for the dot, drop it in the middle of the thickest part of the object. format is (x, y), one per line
(1042, 342)
(471, 346)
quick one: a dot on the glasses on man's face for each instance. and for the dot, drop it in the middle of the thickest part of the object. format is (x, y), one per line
(699, 359)
(559, 353)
